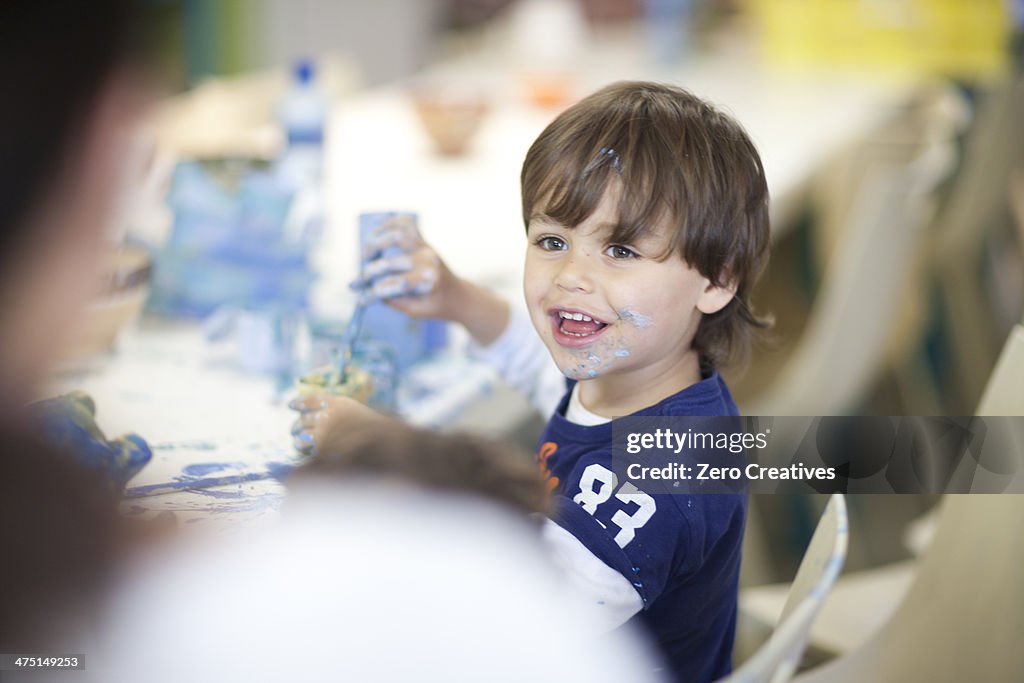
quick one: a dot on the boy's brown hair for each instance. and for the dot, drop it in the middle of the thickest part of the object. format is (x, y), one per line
(451, 463)
(675, 157)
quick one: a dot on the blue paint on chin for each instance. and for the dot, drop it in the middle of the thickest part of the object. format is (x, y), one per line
(622, 353)
(591, 373)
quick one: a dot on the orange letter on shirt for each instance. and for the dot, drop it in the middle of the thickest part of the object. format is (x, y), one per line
(547, 449)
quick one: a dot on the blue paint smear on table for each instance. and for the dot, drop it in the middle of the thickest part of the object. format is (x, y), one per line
(194, 483)
(213, 493)
(194, 478)
(279, 470)
(198, 445)
(205, 468)
(249, 503)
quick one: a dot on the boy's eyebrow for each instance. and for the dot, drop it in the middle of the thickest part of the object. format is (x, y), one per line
(543, 218)
(644, 237)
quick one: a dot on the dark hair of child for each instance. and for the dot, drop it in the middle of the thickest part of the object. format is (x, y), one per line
(671, 157)
(450, 463)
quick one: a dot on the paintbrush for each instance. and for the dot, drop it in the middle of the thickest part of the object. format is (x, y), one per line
(343, 357)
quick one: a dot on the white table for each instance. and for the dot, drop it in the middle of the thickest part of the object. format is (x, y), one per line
(221, 437)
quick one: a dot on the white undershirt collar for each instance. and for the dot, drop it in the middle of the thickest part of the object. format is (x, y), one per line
(576, 413)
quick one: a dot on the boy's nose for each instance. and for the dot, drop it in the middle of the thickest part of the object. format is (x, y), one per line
(574, 275)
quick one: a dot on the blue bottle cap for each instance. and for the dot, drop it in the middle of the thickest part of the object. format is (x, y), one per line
(304, 70)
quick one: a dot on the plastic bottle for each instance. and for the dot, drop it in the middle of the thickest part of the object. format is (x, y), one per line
(303, 115)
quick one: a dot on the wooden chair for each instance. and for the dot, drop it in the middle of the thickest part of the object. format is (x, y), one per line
(844, 345)
(962, 618)
(978, 202)
(861, 603)
(778, 658)
(1004, 393)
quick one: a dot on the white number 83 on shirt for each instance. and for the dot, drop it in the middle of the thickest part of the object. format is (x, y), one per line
(596, 486)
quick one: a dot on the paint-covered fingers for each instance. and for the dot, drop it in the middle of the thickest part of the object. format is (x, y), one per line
(403, 270)
(348, 413)
(384, 266)
(312, 410)
(397, 262)
(417, 283)
(323, 420)
(345, 416)
(308, 404)
(396, 232)
(414, 284)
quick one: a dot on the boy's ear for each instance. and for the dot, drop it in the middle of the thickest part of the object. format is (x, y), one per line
(713, 298)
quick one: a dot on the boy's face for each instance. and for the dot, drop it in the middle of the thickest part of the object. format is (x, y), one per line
(639, 314)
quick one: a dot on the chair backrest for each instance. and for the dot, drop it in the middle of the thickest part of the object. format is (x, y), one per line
(778, 658)
(993, 147)
(1004, 393)
(965, 608)
(977, 203)
(963, 618)
(845, 341)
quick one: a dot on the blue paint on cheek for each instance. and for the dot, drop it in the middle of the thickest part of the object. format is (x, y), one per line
(634, 318)
(622, 353)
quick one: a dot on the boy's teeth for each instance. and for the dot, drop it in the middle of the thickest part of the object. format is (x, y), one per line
(578, 324)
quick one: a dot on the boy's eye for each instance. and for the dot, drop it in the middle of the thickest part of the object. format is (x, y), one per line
(550, 243)
(617, 251)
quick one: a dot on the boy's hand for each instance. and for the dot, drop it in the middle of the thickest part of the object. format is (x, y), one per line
(320, 415)
(415, 281)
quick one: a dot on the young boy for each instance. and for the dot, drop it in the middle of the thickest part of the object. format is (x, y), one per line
(646, 214)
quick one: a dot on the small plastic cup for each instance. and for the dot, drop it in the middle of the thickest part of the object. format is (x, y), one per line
(370, 376)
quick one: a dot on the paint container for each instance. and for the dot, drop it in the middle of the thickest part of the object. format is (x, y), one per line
(371, 378)
(412, 340)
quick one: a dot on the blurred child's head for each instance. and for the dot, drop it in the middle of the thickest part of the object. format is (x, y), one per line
(645, 208)
(68, 97)
(70, 72)
(449, 463)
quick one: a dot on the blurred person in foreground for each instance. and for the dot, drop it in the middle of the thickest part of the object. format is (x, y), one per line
(382, 577)
(400, 555)
(71, 93)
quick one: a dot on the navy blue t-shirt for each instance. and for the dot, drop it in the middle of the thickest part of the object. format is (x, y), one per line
(680, 552)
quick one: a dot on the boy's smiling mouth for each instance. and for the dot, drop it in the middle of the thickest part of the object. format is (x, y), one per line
(575, 328)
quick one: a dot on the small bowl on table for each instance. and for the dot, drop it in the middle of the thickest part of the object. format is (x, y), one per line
(450, 114)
